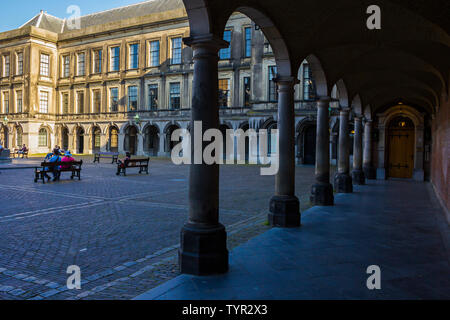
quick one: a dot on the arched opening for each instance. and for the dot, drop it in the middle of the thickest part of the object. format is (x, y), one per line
(113, 145)
(19, 137)
(272, 139)
(43, 138)
(96, 139)
(169, 143)
(65, 138)
(80, 140)
(401, 142)
(4, 136)
(131, 140)
(151, 140)
(307, 144)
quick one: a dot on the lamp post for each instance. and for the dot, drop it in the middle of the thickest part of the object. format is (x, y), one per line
(137, 119)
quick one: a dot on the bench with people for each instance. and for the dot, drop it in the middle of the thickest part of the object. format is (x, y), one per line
(20, 152)
(56, 165)
(127, 162)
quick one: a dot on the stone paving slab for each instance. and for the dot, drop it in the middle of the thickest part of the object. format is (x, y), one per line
(396, 225)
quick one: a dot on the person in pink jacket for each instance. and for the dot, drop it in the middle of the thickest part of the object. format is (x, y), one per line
(67, 158)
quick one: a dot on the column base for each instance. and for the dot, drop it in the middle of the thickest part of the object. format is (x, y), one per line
(381, 174)
(370, 173)
(343, 183)
(203, 250)
(284, 212)
(322, 195)
(358, 177)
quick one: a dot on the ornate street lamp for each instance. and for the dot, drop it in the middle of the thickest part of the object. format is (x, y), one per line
(137, 119)
(5, 121)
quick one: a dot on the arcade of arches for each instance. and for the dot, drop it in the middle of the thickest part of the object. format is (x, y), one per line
(382, 99)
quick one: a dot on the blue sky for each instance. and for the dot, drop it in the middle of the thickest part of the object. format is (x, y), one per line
(16, 13)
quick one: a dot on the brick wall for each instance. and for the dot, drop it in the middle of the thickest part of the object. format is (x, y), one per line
(440, 167)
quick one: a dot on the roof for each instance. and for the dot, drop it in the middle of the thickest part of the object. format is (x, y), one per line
(54, 24)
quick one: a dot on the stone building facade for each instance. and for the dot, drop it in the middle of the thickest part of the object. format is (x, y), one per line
(122, 81)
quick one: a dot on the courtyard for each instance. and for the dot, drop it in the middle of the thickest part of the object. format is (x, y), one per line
(123, 232)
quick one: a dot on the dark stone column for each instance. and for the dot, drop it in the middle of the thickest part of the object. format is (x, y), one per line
(203, 239)
(285, 206)
(322, 191)
(358, 174)
(369, 170)
(343, 180)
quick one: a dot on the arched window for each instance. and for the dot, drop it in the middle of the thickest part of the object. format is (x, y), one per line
(43, 138)
(114, 140)
(19, 139)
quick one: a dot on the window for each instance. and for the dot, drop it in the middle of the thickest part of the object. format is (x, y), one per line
(176, 51)
(114, 139)
(6, 102)
(132, 98)
(97, 141)
(114, 99)
(248, 42)
(66, 66)
(224, 92)
(19, 97)
(80, 102)
(115, 59)
(273, 93)
(97, 101)
(19, 136)
(175, 97)
(226, 53)
(309, 87)
(154, 53)
(45, 65)
(247, 91)
(153, 96)
(43, 138)
(43, 102)
(6, 65)
(98, 61)
(65, 103)
(134, 56)
(81, 64)
(19, 64)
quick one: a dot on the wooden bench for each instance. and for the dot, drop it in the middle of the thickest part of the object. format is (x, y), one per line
(106, 155)
(142, 164)
(48, 167)
(18, 152)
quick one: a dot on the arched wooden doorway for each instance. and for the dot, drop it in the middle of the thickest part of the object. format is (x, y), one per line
(131, 140)
(80, 141)
(151, 140)
(401, 140)
(96, 139)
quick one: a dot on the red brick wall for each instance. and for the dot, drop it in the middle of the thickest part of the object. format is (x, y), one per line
(440, 166)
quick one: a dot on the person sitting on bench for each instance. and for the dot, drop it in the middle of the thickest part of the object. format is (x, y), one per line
(67, 158)
(123, 163)
(56, 173)
(23, 151)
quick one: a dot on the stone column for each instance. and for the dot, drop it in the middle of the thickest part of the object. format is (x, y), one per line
(343, 180)
(369, 170)
(87, 144)
(162, 145)
(203, 249)
(103, 142)
(121, 143)
(358, 174)
(285, 206)
(140, 144)
(322, 191)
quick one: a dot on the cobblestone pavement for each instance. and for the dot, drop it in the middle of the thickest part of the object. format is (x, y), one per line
(123, 232)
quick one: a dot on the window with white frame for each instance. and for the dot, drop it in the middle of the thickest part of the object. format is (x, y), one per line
(154, 53)
(6, 102)
(248, 42)
(44, 69)
(153, 96)
(115, 59)
(176, 51)
(98, 61)
(96, 101)
(66, 66)
(175, 96)
(134, 56)
(6, 65)
(65, 103)
(226, 52)
(19, 101)
(19, 70)
(81, 64)
(43, 141)
(80, 102)
(43, 102)
(114, 99)
(309, 88)
(132, 98)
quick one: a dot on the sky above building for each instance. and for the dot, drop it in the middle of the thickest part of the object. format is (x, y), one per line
(16, 13)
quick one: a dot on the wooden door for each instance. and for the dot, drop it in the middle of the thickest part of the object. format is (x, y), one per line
(401, 151)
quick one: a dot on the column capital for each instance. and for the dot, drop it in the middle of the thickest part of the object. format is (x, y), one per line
(323, 102)
(344, 109)
(358, 118)
(206, 40)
